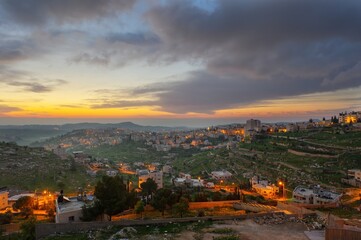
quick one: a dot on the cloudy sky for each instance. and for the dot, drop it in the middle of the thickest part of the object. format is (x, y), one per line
(173, 62)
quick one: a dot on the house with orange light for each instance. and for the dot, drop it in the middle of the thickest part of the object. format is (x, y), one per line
(351, 117)
(4, 196)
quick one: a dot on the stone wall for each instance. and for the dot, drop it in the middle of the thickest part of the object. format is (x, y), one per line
(45, 229)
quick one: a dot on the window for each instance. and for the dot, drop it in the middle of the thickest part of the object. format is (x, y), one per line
(71, 219)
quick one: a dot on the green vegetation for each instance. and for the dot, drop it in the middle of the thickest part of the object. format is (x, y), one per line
(159, 229)
(24, 204)
(222, 230)
(230, 237)
(27, 168)
(162, 199)
(139, 208)
(79, 236)
(181, 207)
(346, 211)
(27, 136)
(321, 157)
(128, 151)
(112, 195)
(148, 187)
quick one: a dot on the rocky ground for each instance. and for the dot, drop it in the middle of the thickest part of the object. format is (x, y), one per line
(250, 229)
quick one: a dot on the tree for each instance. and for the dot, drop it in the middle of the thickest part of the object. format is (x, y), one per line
(162, 198)
(72, 165)
(131, 199)
(91, 212)
(181, 207)
(148, 187)
(25, 205)
(217, 196)
(28, 229)
(112, 195)
(6, 218)
(201, 197)
(139, 208)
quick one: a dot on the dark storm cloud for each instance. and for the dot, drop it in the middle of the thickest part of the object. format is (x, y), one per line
(134, 38)
(203, 92)
(35, 12)
(258, 50)
(12, 50)
(37, 86)
(24, 81)
(100, 59)
(124, 104)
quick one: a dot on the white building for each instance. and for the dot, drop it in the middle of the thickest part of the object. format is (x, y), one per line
(354, 173)
(111, 173)
(185, 175)
(291, 127)
(221, 175)
(4, 197)
(315, 195)
(167, 169)
(352, 117)
(252, 126)
(353, 177)
(210, 185)
(264, 188)
(69, 210)
(178, 182)
(14, 198)
(157, 176)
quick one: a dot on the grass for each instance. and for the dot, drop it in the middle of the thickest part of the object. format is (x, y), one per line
(27, 136)
(169, 228)
(80, 236)
(125, 152)
(344, 212)
(230, 237)
(34, 168)
(222, 230)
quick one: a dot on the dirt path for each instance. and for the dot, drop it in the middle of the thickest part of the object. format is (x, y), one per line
(306, 154)
(249, 230)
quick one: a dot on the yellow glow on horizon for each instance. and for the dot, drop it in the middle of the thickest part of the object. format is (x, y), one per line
(63, 112)
(56, 105)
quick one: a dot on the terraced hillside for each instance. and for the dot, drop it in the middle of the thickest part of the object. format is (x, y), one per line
(28, 168)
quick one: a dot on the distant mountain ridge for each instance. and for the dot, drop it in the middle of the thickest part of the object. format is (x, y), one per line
(87, 125)
(27, 134)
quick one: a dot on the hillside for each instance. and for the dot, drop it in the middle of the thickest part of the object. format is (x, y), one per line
(28, 134)
(320, 158)
(28, 168)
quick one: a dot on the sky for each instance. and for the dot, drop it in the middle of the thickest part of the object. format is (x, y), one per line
(172, 62)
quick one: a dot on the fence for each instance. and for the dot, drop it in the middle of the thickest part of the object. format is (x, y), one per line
(198, 205)
(10, 228)
(294, 209)
(342, 234)
(45, 229)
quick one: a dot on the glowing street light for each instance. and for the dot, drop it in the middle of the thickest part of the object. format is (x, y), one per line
(280, 183)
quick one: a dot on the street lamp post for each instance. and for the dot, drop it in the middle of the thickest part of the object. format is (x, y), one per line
(282, 184)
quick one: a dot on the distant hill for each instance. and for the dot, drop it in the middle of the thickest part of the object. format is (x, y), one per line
(27, 134)
(27, 168)
(125, 125)
(86, 125)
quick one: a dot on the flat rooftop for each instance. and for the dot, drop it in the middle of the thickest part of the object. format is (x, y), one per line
(317, 192)
(303, 191)
(69, 206)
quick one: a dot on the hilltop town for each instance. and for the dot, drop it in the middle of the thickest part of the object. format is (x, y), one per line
(233, 169)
